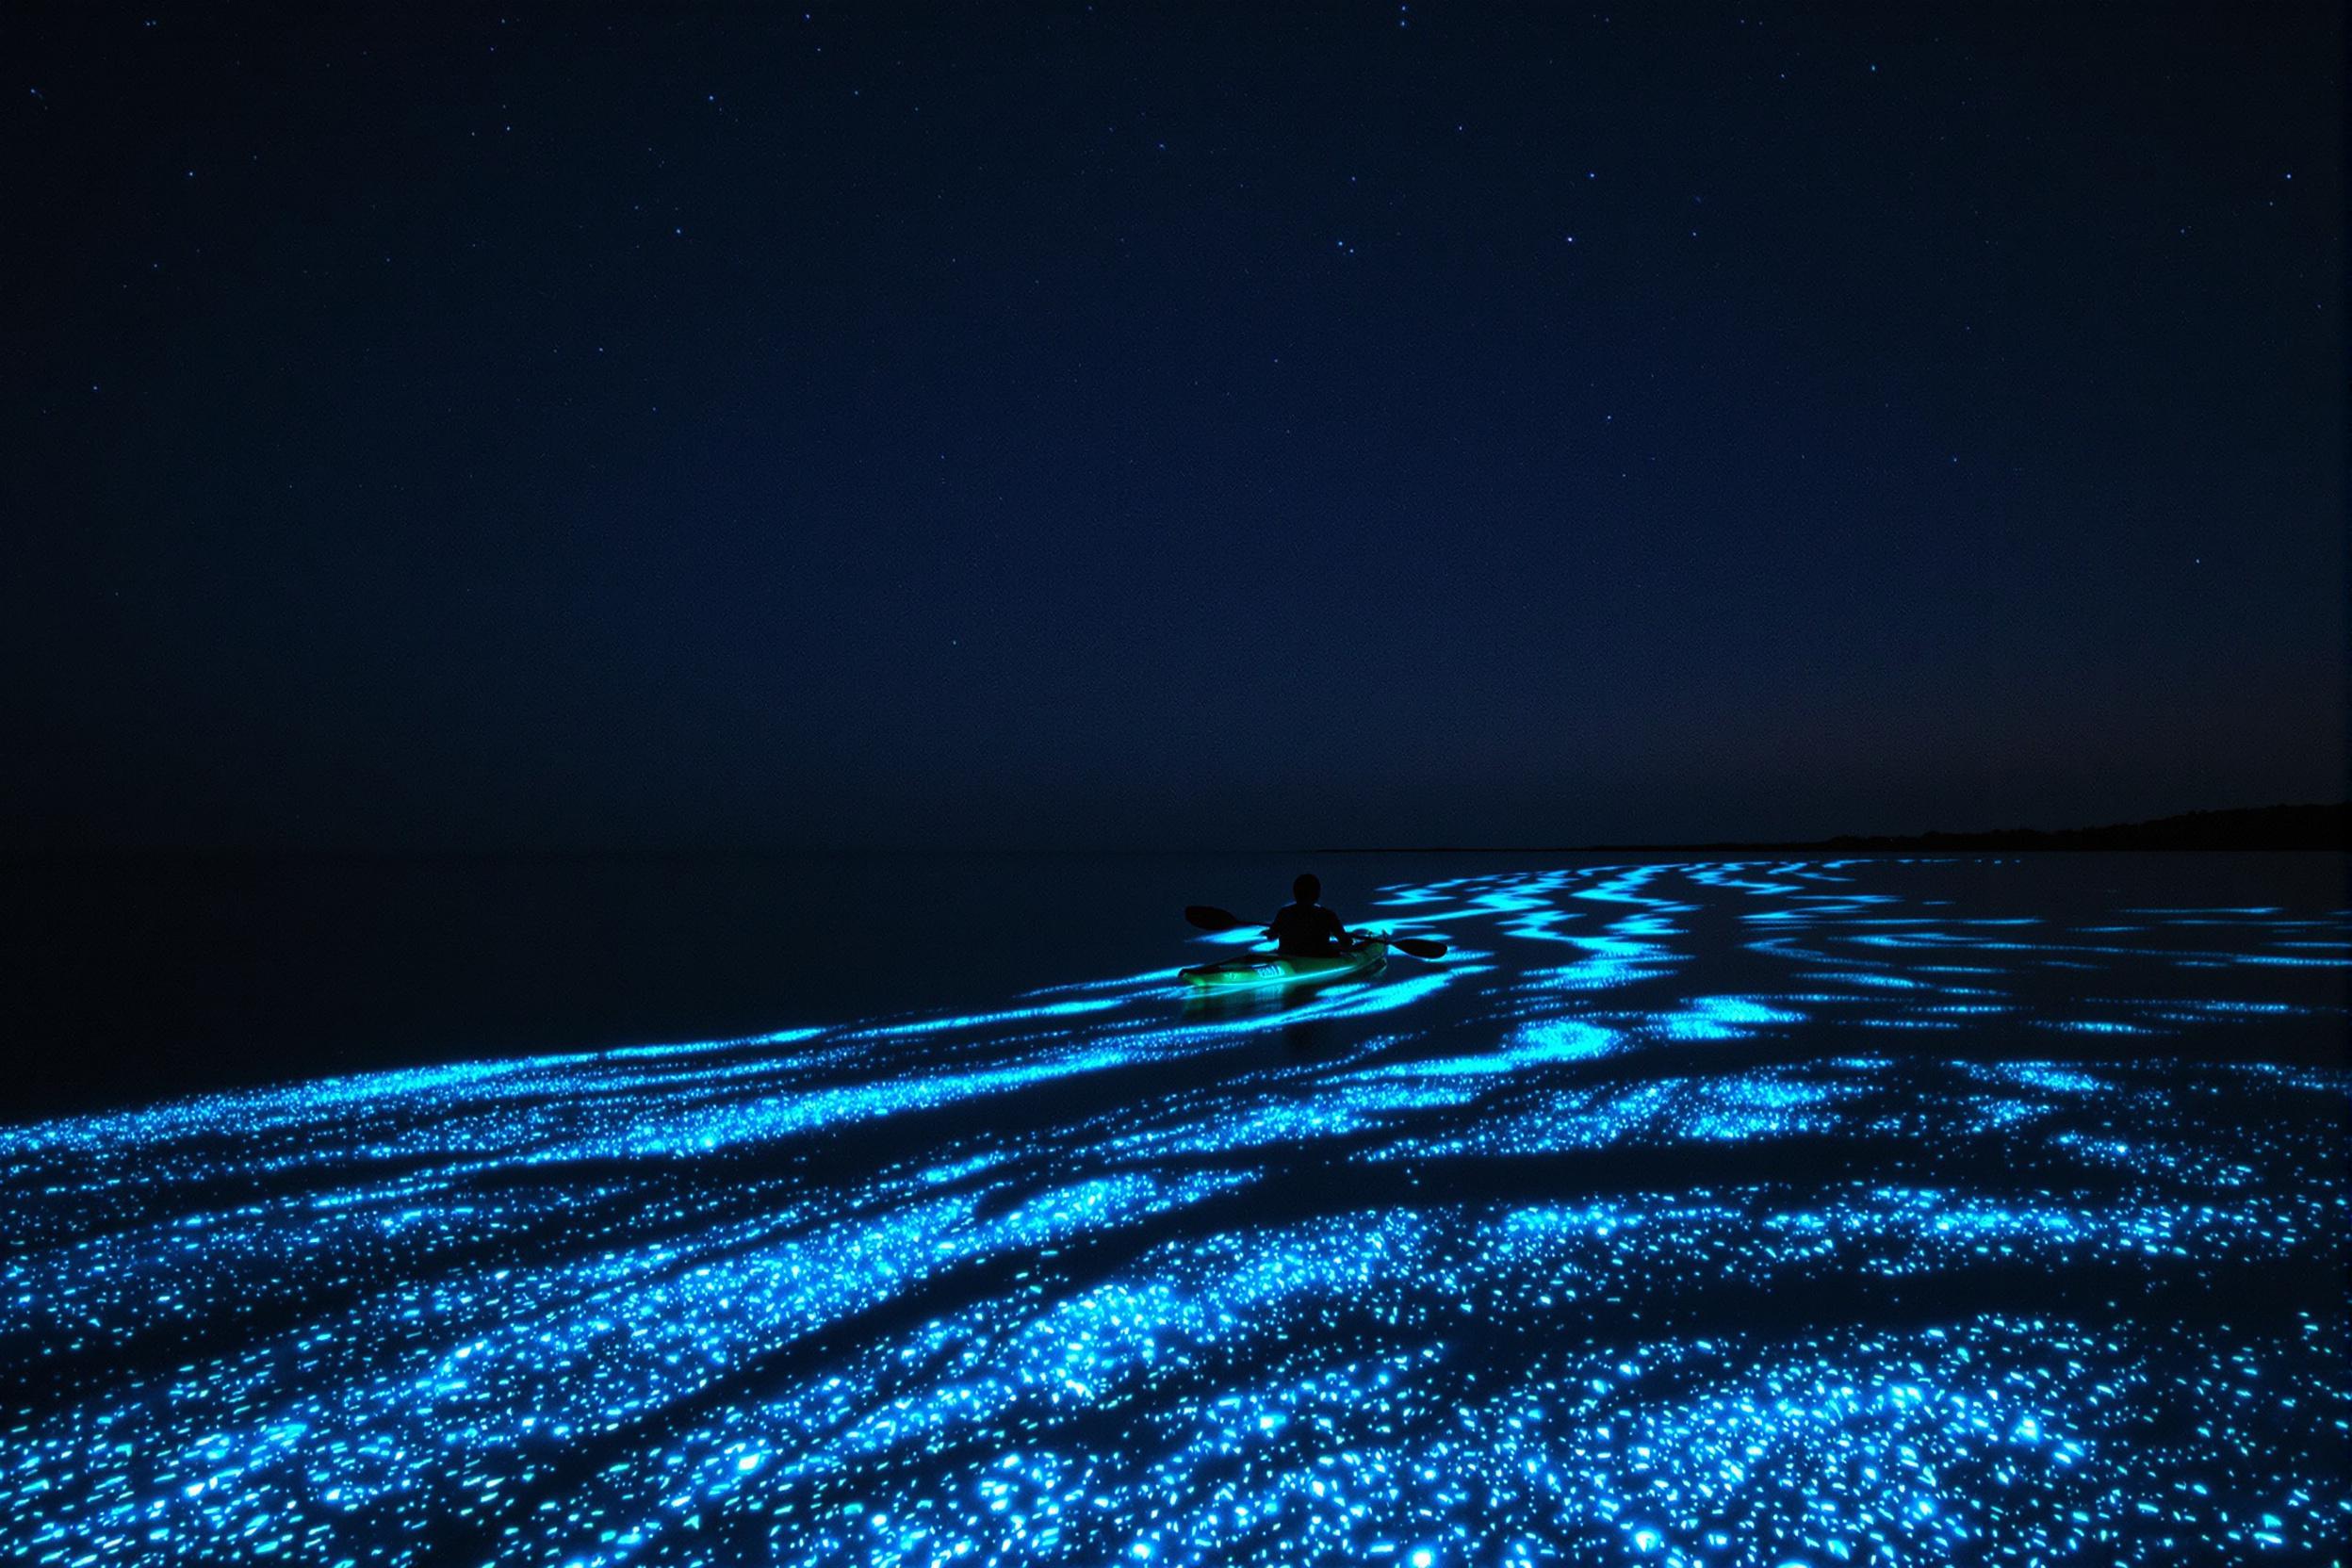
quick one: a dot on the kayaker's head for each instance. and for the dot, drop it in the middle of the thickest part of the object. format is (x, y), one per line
(1307, 887)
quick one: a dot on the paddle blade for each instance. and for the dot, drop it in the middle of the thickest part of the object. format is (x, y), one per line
(1420, 947)
(1209, 919)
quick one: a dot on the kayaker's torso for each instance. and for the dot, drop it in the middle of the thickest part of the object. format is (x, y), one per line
(1307, 928)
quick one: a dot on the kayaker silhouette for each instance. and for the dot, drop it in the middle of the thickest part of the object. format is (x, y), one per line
(1306, 926)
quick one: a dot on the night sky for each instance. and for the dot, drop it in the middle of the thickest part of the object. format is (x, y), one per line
(1117, 426)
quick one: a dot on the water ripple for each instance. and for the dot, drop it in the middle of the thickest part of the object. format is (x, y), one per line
(1803, 1212)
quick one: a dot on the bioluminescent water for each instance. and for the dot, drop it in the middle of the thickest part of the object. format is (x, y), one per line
(1816, 1213)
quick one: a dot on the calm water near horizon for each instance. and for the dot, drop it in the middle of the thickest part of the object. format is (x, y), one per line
(146, 978)
(1770, 1210)
(141, 978)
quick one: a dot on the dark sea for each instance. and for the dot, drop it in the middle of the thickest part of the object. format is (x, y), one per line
(133, 979)
(1763, 1210)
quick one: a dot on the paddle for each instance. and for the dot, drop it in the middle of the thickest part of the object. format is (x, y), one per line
(1209, 919)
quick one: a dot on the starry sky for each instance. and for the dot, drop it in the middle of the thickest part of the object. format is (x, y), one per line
(1144, 426)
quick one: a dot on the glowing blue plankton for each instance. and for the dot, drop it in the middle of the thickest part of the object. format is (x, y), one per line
(1789, 1212)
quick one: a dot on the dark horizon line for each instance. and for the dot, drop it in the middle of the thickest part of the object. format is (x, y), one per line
(2312, 826)
(2315, 826)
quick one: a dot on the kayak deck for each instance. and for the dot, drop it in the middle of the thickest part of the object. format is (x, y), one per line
(1285, 969)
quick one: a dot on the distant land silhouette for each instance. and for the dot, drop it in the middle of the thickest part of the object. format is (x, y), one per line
(2312, 827)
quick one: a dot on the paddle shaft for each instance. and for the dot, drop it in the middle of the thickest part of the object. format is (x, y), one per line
(1209, 918)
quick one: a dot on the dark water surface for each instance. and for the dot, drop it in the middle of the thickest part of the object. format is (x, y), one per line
(1819, 1212)
(136, 978)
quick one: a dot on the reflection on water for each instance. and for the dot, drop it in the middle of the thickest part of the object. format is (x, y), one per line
(1813, 1213)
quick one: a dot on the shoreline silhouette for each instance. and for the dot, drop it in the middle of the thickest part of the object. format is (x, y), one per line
(2310, 826)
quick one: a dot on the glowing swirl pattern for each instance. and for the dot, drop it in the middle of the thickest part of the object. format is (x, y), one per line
(1815, 1213)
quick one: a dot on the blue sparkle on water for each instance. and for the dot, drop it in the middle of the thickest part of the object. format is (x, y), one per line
(1767, 1212)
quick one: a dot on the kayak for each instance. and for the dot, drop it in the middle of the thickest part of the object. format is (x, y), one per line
(1288, 969)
